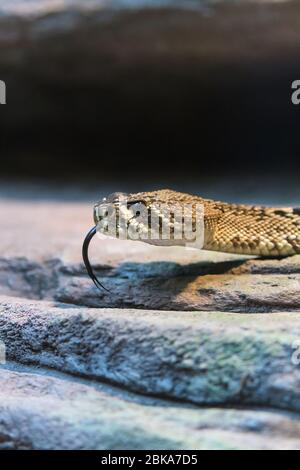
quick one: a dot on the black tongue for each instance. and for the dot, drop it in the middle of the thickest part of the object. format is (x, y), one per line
(85, 256)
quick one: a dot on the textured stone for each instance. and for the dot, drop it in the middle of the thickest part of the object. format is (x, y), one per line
(168, 285)
(204, 358)
(44, 412)
(234, 293)
(31, 8)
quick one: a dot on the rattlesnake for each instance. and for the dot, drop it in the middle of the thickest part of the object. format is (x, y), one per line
(231, 228)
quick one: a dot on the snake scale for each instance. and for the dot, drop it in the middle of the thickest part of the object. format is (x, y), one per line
(230, 228)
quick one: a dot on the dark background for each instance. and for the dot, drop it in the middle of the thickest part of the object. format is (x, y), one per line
(150, 96)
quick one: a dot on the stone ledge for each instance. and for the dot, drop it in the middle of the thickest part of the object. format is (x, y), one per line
(40, 412)
(234, 285)
(204, 358)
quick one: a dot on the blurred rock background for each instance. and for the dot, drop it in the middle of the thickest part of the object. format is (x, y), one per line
(150, 92)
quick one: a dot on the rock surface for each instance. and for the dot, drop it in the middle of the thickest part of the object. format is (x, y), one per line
(46, 412)
(204, 358)
(181, 341)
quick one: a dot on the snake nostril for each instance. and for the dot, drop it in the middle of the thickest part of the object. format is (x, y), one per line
(101, 212)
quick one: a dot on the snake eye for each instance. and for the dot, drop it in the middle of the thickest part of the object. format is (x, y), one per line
(137, 207)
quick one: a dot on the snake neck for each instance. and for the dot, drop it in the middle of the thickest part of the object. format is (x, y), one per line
(251, 230)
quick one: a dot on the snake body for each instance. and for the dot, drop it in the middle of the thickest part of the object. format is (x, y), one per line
(230, 228)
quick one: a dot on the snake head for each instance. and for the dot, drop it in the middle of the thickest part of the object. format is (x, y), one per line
(163, 217)
(114, 214)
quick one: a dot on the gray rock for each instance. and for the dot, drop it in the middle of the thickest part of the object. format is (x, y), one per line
(44, 412)
(165, 285)
(204, 358)
(25, 8)
(234, 293)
